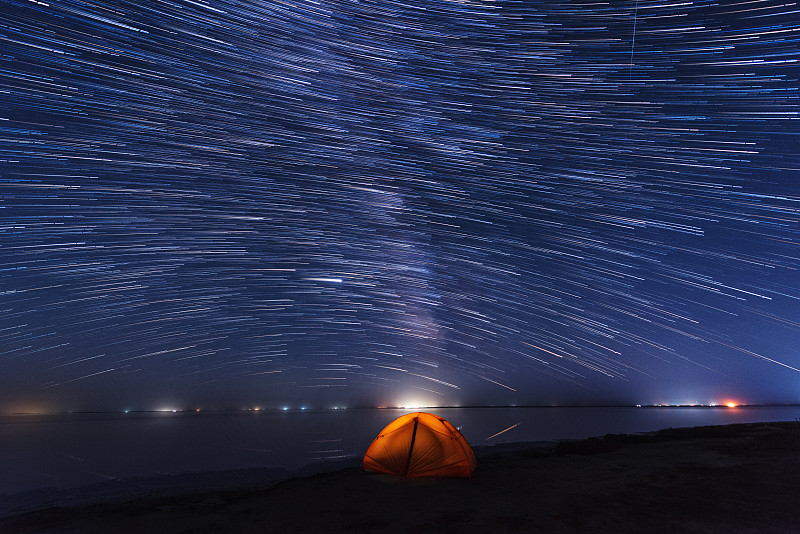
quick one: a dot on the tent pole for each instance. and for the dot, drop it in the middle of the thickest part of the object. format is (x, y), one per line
(411, 447)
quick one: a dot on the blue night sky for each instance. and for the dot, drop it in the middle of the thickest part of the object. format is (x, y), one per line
(327, 203)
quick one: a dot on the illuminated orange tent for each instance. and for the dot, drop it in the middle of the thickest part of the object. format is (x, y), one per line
(420, 445)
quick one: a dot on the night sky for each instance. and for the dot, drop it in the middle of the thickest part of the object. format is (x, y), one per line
(267, 203)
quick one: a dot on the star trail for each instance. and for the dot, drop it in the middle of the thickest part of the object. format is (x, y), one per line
(330, 203)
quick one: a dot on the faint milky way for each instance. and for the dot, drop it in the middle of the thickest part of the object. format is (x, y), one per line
(235, 202)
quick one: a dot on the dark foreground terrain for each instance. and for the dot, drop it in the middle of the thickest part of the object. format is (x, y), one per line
(720, 479)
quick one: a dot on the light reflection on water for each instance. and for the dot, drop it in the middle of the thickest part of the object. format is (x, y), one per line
(64, 451)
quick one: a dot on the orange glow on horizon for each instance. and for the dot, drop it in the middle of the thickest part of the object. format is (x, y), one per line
(731, 405)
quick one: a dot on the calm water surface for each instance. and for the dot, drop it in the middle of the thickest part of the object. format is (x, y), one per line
(67, 451)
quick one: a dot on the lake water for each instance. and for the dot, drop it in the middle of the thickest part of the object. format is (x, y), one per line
(72, 450)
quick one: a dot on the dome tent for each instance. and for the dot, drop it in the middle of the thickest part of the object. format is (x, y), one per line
(420, 445)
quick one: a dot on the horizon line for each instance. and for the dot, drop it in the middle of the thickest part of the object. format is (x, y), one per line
(410, 409)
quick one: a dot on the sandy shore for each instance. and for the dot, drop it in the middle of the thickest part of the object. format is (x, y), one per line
(721, 479)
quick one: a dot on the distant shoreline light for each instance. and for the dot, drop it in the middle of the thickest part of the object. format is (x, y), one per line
(725, 405)
(415, 407)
